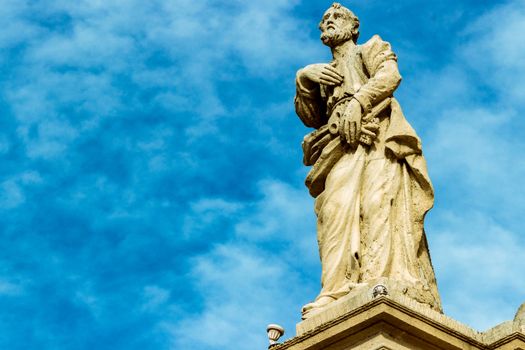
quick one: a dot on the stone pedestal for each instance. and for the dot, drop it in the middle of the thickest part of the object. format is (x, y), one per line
(394, 322)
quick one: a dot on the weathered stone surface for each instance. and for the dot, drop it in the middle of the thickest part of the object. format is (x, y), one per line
(372, 192)
(368, 173)
(395, 322)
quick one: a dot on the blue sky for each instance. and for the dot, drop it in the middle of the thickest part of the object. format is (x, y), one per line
(151, 187)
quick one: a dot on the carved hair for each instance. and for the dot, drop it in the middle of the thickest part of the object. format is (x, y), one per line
(348, 15)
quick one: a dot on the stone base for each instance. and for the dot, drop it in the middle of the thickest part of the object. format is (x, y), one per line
(395, 322)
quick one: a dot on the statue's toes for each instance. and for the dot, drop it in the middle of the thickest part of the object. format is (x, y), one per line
(320, 302)
(308, 307)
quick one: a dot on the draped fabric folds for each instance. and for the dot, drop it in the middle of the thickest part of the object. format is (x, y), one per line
(370, 201)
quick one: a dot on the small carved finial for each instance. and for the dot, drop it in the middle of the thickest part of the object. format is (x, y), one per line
(379, 290)
(274, 333)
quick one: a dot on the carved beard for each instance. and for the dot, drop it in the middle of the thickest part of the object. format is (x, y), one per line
(336, 37)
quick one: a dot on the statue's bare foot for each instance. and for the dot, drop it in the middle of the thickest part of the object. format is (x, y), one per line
(320, 302)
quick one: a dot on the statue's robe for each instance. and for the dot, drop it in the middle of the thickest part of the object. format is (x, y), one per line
(370, 201)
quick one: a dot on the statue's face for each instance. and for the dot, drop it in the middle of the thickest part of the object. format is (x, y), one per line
(333, 20)
(336, 27)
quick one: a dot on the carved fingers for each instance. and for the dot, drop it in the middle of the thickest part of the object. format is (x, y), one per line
(369, 132)
(370, 129)
(322, 73)
(350, 124)
(350, 131)
(330, 76)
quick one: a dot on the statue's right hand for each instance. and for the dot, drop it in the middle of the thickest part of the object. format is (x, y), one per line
(321, 73)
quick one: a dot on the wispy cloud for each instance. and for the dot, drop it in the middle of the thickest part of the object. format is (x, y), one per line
(472, 130)
(480, 268)
(151, 165)
(494, 51)
(256, 277)
(121, 120)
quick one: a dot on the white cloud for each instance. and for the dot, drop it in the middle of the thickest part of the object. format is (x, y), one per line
(205, 213)
(15, 30)
(8, 288)
(281, 207)
(469, 153)
(13, 190)
(283, 215)
(268, 264)
(78, 64)
(480, 268)
(495, 50)
(155, 298)
(474, 147)
(257, 277)
(244, 289)
(269, 39)
(12, 195)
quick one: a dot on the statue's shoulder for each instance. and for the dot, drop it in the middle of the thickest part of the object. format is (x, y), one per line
(375, 45)
(376, 51)
(374, 40)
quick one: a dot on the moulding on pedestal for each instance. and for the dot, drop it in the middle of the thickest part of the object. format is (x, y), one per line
(395, 322)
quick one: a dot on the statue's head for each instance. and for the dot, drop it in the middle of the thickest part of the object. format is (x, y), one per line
(338, 25)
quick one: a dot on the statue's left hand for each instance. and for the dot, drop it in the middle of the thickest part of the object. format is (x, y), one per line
(370, 129)
(350, 123)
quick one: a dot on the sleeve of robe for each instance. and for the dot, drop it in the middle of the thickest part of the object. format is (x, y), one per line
(309, 105)
(381, 65)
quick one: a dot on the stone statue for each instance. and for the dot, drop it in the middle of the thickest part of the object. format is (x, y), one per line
(368, 173)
